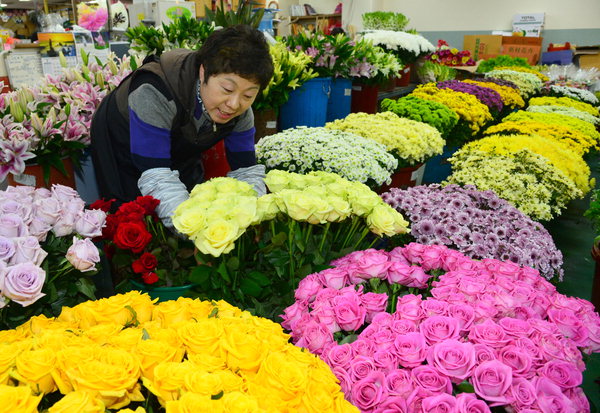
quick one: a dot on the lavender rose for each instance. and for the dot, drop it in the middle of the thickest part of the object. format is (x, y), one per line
(83, 255)
(90, 223)
(7, 249)
(28, 249)
(12, 226)
(22, 283)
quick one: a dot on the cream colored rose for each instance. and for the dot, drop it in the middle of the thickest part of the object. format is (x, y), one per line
(383, 221)
(218, 237)
(277, 180)
(189, 221)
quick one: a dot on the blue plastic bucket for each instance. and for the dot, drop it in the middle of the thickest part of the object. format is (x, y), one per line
(438, 168)
(340, 99)
(307, 105)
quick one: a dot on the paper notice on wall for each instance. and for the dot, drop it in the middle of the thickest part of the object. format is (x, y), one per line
(528, 25)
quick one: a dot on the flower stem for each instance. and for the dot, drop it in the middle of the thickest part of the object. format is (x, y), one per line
(324, 237)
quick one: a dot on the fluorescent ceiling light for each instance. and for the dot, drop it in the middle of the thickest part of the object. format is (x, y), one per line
(3, 5)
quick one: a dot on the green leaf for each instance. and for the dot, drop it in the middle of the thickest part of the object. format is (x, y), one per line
(233, 264)
(222, 269)
(349, 339)
(214, 313)
(134, 320)
(260, 278)
(465, 387)
(86, 287)
(279, 239)
(145, 335)
(201, 274)
(217, 396)
(374, 283)
(250, 287)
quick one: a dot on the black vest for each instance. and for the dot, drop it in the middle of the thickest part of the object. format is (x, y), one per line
(179, 70)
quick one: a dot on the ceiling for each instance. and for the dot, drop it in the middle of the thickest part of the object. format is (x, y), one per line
(33, 4)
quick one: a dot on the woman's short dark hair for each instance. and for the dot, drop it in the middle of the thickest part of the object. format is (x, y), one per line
(238, 49)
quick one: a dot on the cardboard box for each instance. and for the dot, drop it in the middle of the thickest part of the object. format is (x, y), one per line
(529, 48)
(558, 57)
(587, 57)
(200, 4)
(482, 46)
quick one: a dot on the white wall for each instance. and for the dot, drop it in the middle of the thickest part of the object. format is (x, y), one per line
(465, 15)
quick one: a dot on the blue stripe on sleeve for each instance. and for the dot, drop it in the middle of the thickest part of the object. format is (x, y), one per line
(240, 141)
(148, 141)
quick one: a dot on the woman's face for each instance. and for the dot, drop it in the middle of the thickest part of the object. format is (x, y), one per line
(226, 95)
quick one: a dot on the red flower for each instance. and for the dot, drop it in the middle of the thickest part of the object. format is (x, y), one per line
(103, 204)
(109, 250)
(132, 236)
(130, 212)
(150, 277)
(146, 263)
(148, 203)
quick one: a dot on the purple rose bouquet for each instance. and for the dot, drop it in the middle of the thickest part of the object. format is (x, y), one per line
(477, 223)
(489, 333)
(46, 252)
(487, 96)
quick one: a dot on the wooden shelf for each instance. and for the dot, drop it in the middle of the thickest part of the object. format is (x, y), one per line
(315, 17)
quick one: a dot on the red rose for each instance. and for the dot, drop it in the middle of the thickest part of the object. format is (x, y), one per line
(150, 277)
(146, 263)
(112, 223)
(148, 203)
(103, 204)
(132, 236)
(131, 212)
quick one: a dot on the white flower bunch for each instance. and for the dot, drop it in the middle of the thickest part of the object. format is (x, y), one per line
(528, 83)
(303, 150)
(575, 93)
(565, 110)
(393, 40)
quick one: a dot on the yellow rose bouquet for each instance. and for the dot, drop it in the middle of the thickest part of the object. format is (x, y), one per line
(254, 250)
(128, 354)
(410, 141)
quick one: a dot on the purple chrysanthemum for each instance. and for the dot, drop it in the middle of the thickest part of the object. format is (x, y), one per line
(487, 96)
(478, 224)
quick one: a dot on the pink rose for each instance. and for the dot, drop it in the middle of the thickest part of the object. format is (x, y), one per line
(562, 373)
(508, 269)
(433, 307)
(361, 367)
(409, 308)
(28, 249)
(65, 224)
(579, 399)
(12, 226)
(569, 324)
(340, 355)
(544, 286)
(472, 286)
(392, 404)
(382, 338)
(384, 360)
(403, 326)
(83, 255)
(415, 400)
(523, 393)
(411, 349)
(382, 319)
(451, 260)
(325, 315)
(369, 392)
(441, 403)
(363, 347)
(529, 275)
(527, 346)
(439, 328)
(7, 249)
(372, 264)
(400, 273)
(452, 358)
(373, 304)
(488, 333)
(413, 252)
(315, 337)
(308, 288)
(64, 194)
(41, 193)
(468, 403)
(463, 313)
(432, 257)
(293, 314)
(515, 327)
(336, 278)
(398, 383)
(349, 312)
(518, 360)
(431, 380)
(397, 255)
(492, 381)
(90, 223)
(47, 210)
(484, 353)
(343, 376)
(550, 397)
(22, 283)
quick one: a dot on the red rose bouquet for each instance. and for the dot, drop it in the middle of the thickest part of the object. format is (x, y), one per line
(141, 249)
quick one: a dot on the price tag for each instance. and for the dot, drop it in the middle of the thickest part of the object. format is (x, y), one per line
(347, 92)
(24, 179)
(272, 124)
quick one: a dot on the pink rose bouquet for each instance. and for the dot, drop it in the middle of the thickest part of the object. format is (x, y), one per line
(46, 252)
(426, 328)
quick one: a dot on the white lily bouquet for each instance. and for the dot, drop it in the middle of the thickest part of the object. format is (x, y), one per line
(351, 156)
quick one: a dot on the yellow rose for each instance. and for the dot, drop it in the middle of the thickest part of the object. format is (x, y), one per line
(40, 323)
(78, 401)
(362, 199)
(244, 350)
(195, 403)
(167, 335)
(240, 403)
(18, 399)
(203, 336)
(138, 410)
(190, 221)
(206, 190)
(281, 376)
(277, 180)
(338, 188)
(168, 380)
(152, 352)
(127, 339)
(200, 308)
(225, 185)
(243, 212)
(218, 237)
(341, 209)
(170, 313)
(341, 405)
(271, 333)
(231, 381)
(111, 372)
(8, 354)
(298, 205)
(34, 368)
(11, 336)
(383, 221)
(267, 208)
(203, 382)
(101, 333)
(124, 309)
(57, 340)
(206, 362)
(228, 310)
